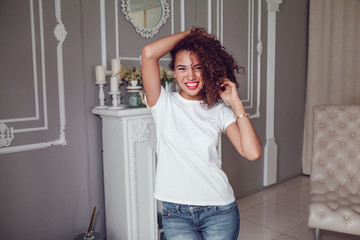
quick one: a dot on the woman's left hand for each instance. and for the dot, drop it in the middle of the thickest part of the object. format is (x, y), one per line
(230, 93)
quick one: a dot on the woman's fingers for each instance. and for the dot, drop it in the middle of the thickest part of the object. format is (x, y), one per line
(227, 81)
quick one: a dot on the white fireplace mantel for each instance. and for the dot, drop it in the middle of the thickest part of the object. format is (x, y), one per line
(129, 160)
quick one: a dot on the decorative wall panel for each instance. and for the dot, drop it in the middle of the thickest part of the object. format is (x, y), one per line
(25, 114)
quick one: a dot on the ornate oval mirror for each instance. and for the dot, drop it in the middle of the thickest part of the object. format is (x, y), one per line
(147, 16)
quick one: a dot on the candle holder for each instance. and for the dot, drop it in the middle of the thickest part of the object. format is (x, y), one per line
(115, 103)
(101, 95)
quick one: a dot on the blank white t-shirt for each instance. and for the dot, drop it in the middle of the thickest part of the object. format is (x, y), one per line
(189, 166)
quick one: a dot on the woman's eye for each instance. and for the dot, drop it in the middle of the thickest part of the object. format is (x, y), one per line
(181, 69)
(198, 68)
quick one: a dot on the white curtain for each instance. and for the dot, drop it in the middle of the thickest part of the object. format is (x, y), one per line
(333, 61)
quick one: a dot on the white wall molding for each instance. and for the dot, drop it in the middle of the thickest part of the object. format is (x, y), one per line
(259, 52)
(270, 153)
(250, 96)
(35, 74)
(209, 17)
(103, 33)
(182, 14)
(172, 17)
(60, 34)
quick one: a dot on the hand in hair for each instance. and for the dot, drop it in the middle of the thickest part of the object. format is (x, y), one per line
(228, 91)
(202, 31)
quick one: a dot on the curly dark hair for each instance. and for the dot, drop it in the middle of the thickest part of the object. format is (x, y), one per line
(216, 62)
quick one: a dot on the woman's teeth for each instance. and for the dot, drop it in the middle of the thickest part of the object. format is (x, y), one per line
(191, 84)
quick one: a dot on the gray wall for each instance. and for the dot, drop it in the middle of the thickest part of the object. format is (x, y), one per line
(50, 193)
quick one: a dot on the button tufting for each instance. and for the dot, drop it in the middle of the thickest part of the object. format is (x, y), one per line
(334, 175)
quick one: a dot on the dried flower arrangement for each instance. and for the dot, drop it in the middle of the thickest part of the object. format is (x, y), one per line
(131, 73)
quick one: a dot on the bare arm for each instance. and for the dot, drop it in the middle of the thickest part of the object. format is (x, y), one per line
(241, 133)
(151, 55)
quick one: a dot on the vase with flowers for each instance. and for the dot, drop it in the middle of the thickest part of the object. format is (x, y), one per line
(134, 94)
(131, 75)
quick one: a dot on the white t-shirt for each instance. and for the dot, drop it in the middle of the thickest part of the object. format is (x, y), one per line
(189, 166)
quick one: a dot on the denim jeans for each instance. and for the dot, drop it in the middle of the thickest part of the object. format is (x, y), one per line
(186, 222)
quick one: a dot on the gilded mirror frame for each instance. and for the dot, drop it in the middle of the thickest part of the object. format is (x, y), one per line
(146, 32)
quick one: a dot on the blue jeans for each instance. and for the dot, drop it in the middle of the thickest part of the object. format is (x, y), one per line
(185, 222)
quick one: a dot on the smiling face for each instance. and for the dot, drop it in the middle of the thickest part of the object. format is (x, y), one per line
(188, 73)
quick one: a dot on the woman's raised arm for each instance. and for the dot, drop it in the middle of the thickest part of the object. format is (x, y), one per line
(151, 55)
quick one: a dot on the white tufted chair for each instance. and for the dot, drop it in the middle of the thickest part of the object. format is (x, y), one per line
(335, 175)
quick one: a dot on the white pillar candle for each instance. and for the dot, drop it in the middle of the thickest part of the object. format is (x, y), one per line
(114, 84)
(100, 74)
(115, 66)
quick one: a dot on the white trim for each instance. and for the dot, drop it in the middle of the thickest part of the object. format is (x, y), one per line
(43, 66)
(217, 19)
(270, 153)
(209, 17)
(103, 33)
(136, 59)
(117, 48)
(35, 74)
(33, 43)
(182, 10)
(250, 55)
(43, 74)
(128, 174)
(60, 34)
(259, 52)
(172, 17)
(251, 59)
(60, 62)
(221, 21)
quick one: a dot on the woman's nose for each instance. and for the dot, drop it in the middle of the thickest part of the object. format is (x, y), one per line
(191, 74)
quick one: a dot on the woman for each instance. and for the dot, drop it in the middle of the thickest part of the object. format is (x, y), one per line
(198, 201)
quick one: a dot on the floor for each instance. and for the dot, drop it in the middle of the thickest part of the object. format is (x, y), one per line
(280, 213)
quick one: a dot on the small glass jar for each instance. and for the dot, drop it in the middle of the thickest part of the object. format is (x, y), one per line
(133, 99)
